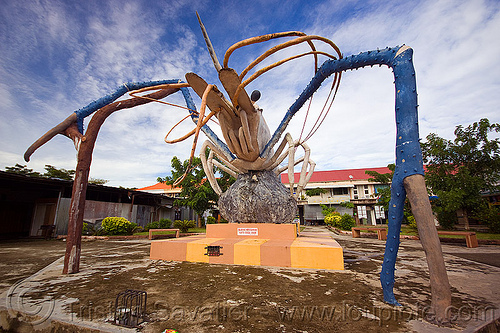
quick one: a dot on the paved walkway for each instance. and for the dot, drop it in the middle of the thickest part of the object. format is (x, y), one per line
(197, 297)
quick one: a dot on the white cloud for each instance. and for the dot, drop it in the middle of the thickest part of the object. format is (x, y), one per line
(58, 57)
(456, 74)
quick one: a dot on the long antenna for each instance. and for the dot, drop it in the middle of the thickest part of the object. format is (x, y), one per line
(217, 65)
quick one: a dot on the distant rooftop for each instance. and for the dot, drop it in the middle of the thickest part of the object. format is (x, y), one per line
(317, 177)
(337, 175)
(160, 188)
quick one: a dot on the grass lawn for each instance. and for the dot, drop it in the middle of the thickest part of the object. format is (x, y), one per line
(408, 231)
(146, 233)
(196, 230)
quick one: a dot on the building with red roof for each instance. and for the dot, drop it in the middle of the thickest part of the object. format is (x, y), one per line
(162, 188)
(347, 185)
(181, 213)
(338, 186)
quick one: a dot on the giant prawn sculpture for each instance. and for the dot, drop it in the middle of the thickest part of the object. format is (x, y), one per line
(249, 145)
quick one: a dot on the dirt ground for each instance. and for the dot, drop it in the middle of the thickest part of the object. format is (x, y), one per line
(199, 297)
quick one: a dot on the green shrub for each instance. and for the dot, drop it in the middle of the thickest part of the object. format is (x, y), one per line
(327, 210)
(494, 224)
(165, 223)
(152, 225)
(491, 216)
(316, 191)
(333, 219)
(117, 226)
(344, 222)
(347, 222)
(85, 229)
(183, 226)
(211, 220)
(446, 219)
(346, 204)
(412, 223)
(89, 229)
(161, 224)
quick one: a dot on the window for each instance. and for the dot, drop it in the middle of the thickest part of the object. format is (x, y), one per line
(379, 212)
(340, 191)
(355, 192)
(362, 212)
(367, 192)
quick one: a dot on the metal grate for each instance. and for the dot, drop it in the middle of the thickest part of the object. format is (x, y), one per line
(213, 250)
(130, 308)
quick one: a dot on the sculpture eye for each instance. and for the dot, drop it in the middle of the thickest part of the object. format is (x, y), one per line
(255, 96)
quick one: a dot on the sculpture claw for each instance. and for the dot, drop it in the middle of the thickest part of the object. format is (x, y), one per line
(59, 129)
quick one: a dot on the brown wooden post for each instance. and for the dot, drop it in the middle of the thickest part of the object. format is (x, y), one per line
(416, 192)
(77, 207)
(132, 196)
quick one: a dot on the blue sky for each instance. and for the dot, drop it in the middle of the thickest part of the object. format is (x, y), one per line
(58, 56)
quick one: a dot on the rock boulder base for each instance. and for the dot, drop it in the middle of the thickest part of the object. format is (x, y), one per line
(258, 197)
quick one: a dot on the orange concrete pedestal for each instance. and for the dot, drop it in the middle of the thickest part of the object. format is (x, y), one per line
(263, 244)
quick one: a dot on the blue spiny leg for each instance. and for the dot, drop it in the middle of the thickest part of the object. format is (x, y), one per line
(408, 161)
(396, 208)
(408, 153)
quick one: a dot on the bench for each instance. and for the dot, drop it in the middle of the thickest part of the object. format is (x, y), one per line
(47, 230)
(177, 232)
(470, 236)
(381, 232)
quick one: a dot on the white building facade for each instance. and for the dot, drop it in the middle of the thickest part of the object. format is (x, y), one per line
(338, 187)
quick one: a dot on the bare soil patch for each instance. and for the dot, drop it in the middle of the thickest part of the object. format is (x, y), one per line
(198, 297)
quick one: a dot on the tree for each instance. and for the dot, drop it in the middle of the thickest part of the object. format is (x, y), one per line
(50, 172)
(53, 172)
(459, 170)
(316, 191)
(383, 178)
(196, 190)
(327, 210)
(22, 170)
(98, 181)
(385, 193)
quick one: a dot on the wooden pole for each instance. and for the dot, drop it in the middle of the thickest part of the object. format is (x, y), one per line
(416, 192)
(77, 207)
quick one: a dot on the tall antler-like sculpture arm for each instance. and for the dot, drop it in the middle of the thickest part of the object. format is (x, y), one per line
(77, 117)
(77, 207)
(59, 129)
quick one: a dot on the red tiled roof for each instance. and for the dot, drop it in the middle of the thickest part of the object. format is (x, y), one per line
(157, 186)
(163, 186)
(336, 175)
